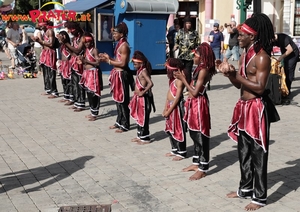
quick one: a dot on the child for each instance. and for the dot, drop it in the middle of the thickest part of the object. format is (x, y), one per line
(173, 111)
(140, 104)
(91, 78)
(197, 114)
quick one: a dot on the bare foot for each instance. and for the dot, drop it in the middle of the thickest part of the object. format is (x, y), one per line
(232, 194)
(72, 107)
(63, 100)
(69, 103)
(190, 168)
(198, 175)
(169, 154)
(52, 97)
(177, 158)
(143, 142)
(135, 140)
(119, 131)
(113, 127)
(78, 110)
(252, 207)
(89, 116)
(93, 118)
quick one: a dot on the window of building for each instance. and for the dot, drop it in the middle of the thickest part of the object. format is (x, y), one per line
(297, 18)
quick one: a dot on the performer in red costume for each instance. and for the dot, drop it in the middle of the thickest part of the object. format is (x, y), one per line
(65, 66)
(77, 49)
(197, 114)
(91, 78)
(142, 100)
(174, 111)
(120, 77)
(48, 59)
(254, 111)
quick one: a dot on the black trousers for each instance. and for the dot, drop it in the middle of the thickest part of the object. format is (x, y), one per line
(143, 131)
(46, 77)
(253, 166)
(290, 63)
(50, 80)
(78, 92)
(66, 88)
(94, 103)
(123, 118)
(201, 150)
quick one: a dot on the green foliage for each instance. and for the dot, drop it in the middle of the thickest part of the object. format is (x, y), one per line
(24, 6)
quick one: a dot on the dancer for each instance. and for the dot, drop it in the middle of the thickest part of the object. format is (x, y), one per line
(120, 77)
(251, 119)
(197, 114)
(48, 58)
(142, 100)
(64, 66)
(174, 111)
(77, 48)
(91, 78)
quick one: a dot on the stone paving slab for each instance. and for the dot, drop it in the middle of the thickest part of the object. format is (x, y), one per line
(52, 157)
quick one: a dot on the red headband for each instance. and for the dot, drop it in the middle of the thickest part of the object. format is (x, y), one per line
(170, 67)
(88, 38)
(136, 60)
(245, 28)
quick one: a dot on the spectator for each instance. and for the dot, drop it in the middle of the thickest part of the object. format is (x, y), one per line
(38, 47)
(234, 48)
(13, 39)
(24, 35)
(216, 40)
(289, 56)
(171, 37)
(186, 41)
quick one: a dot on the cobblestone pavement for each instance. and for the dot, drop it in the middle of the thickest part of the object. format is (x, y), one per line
(51, 156)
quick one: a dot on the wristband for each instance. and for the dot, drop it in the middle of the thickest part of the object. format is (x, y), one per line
(109, 62)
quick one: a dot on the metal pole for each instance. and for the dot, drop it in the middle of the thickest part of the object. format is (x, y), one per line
(39, 4)
(243, 6)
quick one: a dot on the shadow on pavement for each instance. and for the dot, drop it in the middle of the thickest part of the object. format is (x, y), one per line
(53, 172)
(289, 177)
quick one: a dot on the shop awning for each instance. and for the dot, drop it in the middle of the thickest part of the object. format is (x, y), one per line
(83, 5)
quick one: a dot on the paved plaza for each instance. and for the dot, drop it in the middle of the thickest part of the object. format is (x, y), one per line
(51, 156)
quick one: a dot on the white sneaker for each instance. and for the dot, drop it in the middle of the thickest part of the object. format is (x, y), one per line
(11, 67)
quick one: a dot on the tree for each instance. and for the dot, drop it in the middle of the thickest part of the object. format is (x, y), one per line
(24, 6)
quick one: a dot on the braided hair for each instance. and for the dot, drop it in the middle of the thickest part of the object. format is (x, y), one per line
(265, 31)
(74, 27)
(174, 63)
(207, 59)
(140, 56)
(122, 28)
(67, 40)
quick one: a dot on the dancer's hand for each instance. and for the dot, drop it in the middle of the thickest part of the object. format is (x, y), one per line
(179, 75)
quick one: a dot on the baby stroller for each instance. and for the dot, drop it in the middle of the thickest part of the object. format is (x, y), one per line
(26, 62)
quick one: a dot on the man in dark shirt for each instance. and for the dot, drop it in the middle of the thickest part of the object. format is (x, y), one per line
(216, 40)
(289, 56)
(233, 47)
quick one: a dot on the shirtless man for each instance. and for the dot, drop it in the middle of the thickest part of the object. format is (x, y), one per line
(142, 100)
(120, 77)
(197, 114)
(255, 36)
(48, 58)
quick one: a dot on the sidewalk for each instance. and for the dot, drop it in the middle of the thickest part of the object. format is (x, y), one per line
(51, 156)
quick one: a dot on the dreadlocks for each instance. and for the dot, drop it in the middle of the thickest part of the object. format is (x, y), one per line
(140, 56)
(265, 32)
(67, 39)
(74, 27)
(173, 64)
(207, 58)
(122, 28)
